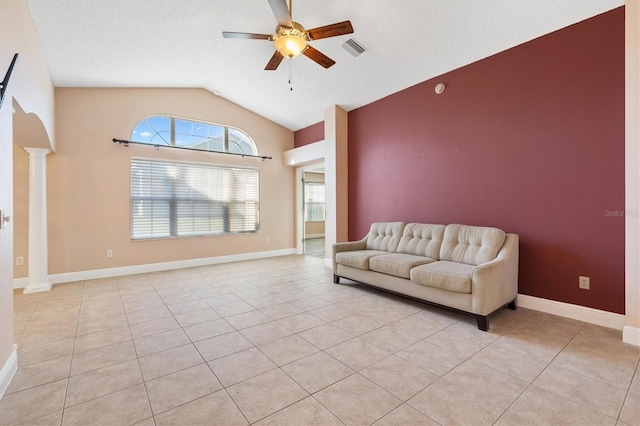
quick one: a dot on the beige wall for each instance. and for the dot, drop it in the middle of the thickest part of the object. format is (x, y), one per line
(31, 81)
(341, 132)
(20, 210)
(336, 136)
(314, 177)
(6, 243)
(314, 228)
(88, 179)
(31, 93)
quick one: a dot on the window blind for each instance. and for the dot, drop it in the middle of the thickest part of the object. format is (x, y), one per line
(174, 199)
(315, 201)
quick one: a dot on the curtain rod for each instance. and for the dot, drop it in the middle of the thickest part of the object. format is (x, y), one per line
(7, 76)
(156, 146)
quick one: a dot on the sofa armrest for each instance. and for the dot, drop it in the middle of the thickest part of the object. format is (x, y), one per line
(495, 283)
(347, 246)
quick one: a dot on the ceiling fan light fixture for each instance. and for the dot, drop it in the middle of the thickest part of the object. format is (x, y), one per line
(290, 42)
(290, 45)
(291, 39)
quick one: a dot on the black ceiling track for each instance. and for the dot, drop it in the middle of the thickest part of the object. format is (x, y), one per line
(156, 146)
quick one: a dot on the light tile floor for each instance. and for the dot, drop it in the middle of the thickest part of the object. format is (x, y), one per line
(274, 341)
(314, 247)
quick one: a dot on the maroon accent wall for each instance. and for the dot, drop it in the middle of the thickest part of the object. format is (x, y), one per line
(308, 135)
(530, 140)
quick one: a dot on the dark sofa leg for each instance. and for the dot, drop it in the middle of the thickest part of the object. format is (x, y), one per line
(513, 305)
(483, 322)
(336, 279)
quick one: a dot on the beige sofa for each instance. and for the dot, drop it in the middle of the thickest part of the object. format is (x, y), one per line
(468, 268)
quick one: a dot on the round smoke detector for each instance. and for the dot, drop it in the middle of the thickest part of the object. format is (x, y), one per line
(440, 88)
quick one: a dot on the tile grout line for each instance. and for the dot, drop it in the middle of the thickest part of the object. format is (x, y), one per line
(529, 385)
(286, 290)
(628, 393)
(73, 351)
(205, 362)
(277, 367)
(144, 384)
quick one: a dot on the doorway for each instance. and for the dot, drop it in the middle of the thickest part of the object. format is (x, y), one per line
(313, 211)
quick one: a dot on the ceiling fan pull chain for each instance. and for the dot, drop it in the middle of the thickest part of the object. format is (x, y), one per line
(290, 74)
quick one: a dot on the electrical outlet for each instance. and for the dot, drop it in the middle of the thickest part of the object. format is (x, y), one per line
(266, 240)
(109, 253)
(583, 282)
(20, 260)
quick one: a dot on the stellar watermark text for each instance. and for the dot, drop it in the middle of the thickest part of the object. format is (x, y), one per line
(621, 213)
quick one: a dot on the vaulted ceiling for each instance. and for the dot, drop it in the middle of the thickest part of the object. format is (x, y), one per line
(179, 43)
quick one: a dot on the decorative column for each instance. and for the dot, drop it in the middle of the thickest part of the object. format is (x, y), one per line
(38, 254)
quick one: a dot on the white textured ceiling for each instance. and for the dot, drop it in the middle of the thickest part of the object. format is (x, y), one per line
(179, 43)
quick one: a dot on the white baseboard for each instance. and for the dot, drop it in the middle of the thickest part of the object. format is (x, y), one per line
(312, 236)
(631, 335)
(577, 312)
(154, 267)
(20, 282)
(8, 370)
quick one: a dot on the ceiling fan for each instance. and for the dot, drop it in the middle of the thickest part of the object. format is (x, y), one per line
(291, 39)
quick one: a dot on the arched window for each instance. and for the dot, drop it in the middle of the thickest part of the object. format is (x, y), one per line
(189, 134)
(171, 199)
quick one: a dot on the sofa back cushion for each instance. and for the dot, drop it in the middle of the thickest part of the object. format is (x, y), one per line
(384, 236)
(422, 239)
(472, 245)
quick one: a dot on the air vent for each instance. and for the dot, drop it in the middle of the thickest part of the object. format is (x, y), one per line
(353, 47)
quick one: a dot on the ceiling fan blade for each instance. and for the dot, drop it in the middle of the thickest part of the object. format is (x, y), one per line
(314, 54)
(281, 11)
(233, 34)
(332, 30)
(275, 60)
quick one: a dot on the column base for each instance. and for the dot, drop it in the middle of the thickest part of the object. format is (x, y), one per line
(36, 288)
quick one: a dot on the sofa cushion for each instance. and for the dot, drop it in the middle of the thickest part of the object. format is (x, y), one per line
(357, 258)
(422, 240)
(472, 245)
(397, 264)
(446, 275)
(384, 236)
